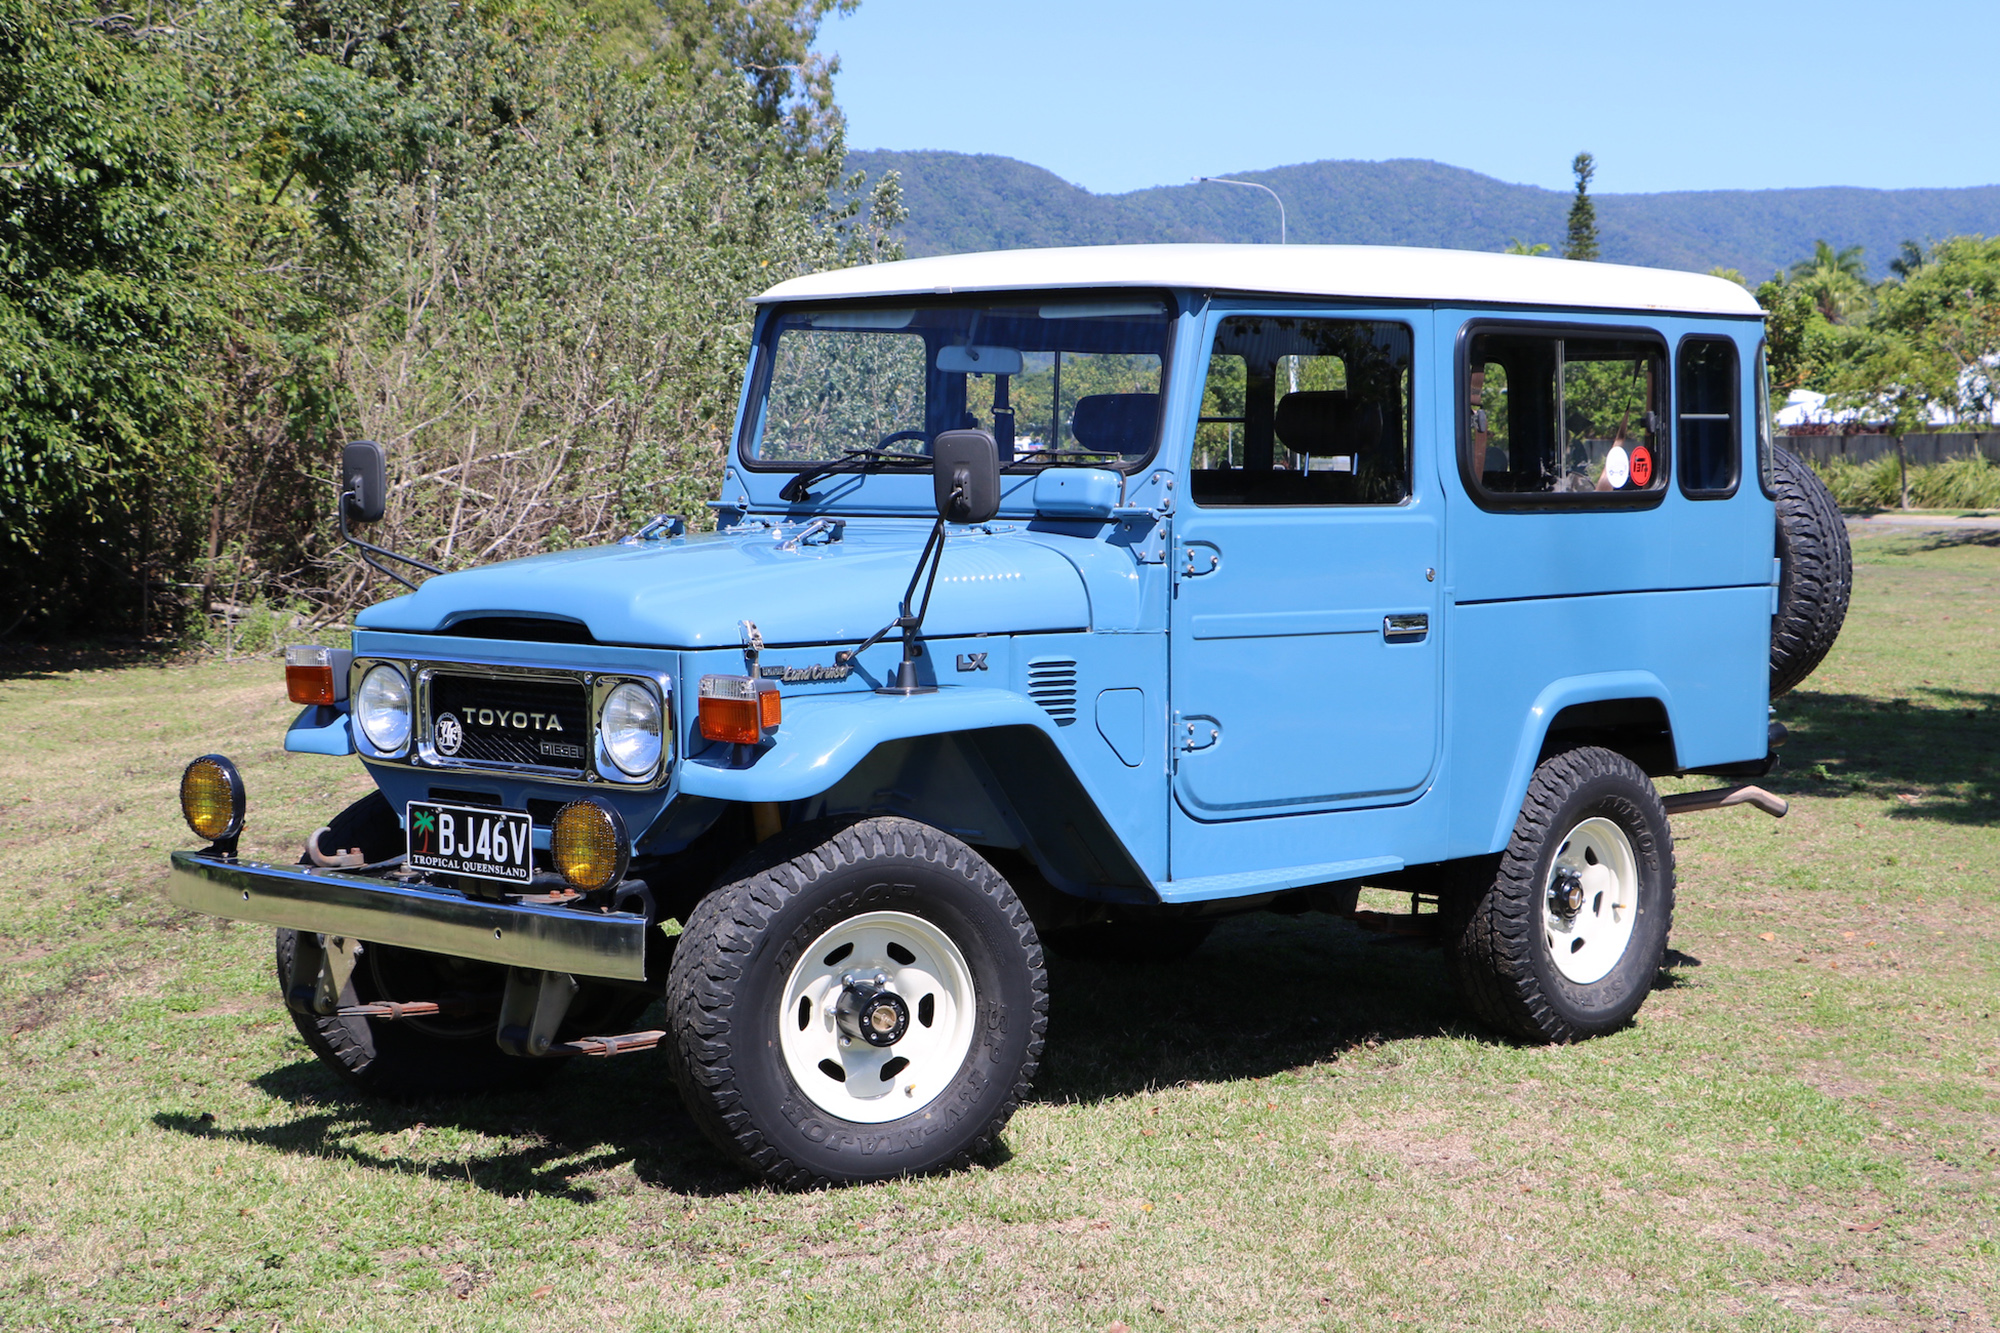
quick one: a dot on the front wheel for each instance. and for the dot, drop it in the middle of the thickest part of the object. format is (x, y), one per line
(861, 999)
(1563, 938)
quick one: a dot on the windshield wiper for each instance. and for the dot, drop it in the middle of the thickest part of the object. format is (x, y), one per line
(854, 460)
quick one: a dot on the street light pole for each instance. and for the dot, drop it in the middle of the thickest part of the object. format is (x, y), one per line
(1224, 180)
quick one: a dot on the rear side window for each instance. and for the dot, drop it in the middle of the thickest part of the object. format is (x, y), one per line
(1710, 444)
(1560, 418)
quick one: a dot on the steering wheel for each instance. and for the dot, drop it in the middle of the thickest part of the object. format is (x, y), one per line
(893, 436)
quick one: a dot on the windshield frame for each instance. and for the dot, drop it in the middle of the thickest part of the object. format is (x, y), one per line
(763, 363)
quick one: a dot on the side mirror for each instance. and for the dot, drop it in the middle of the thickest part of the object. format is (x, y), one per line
(364, 479)
(965, 466)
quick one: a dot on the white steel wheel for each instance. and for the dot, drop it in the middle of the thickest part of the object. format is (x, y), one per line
(1591, 901)
(909, 1012)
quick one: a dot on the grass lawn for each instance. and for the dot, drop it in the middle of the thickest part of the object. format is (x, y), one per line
(1299, 1130)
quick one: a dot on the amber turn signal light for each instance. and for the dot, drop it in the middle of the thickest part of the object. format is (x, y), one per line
(739, 710)
(587, 845)
(316, 675)
(212, 798)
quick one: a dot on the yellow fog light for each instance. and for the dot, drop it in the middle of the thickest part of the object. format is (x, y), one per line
(587, 845)
(212, 798)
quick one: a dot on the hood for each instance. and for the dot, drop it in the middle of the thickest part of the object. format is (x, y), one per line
(691, 592)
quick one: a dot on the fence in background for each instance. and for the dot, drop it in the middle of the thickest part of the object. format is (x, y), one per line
(1918, 449)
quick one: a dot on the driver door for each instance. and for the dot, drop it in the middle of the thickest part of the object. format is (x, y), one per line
(1305, 636)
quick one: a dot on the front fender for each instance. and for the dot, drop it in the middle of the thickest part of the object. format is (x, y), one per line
(823, 739)
(1596, 687)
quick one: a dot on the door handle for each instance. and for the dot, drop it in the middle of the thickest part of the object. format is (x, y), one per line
(1406, 629)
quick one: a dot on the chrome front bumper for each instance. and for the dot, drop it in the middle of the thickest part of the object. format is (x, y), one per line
(332, 902)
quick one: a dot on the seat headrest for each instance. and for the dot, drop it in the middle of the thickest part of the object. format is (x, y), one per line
(1324, 422)
(1116, 422)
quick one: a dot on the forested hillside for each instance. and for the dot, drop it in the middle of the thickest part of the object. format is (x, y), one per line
(961, 202)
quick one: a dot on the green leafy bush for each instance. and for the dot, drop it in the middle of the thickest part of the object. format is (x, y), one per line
(1959, 483)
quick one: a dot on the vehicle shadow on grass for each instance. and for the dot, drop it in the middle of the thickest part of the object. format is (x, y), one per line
(567, 1139)
(1264, 995)
(1941, 746)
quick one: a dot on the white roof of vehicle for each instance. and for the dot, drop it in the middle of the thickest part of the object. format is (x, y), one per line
(1364, 272)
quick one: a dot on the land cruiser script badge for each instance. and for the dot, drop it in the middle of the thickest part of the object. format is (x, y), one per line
(449, 735)
(807, 674)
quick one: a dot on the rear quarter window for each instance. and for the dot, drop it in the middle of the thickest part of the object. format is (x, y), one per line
(1560, 418)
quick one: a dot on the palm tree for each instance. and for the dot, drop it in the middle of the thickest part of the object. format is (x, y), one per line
(1836, 280)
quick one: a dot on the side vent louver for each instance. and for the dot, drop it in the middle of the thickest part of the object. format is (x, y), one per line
(1052, 684)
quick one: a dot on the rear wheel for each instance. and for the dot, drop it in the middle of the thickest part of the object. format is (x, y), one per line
(861, 999)
(1563, 938)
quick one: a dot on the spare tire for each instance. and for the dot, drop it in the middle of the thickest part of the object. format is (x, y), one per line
(1815, 572)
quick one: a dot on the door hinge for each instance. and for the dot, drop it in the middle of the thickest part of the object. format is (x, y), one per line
(1195, 732)
(1198, 558)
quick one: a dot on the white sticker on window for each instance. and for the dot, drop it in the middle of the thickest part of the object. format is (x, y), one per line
(1617, 467)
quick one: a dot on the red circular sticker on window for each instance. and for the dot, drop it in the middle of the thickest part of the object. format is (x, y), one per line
(1642, 465)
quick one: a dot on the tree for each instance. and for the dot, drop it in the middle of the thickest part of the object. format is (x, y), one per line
(1836, 280)
(1932, 349)
(112, 303)
(1519, 247)
(1581, 242)
(1801, 347)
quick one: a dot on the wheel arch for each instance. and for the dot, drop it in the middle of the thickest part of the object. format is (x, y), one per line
(1009, 788)
(981, 764)
(1629, 712)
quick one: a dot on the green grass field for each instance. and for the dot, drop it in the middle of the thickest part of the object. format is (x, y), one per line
(1296, 1130)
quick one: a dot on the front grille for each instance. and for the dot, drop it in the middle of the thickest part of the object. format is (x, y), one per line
(1052, 684)
(509, 720)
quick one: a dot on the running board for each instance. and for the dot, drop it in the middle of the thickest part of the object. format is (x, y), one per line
(1719, 797)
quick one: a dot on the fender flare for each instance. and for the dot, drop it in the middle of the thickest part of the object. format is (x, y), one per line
(822, 739)
(1597, 687)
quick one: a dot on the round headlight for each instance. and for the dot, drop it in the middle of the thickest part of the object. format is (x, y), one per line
(382, 707)
(212, 798)
(630, 729)
(587, 844)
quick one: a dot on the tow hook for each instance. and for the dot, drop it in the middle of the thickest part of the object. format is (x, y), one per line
(868, 1010)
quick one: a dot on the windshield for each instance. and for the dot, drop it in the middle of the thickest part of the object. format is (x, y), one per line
(1048, 378)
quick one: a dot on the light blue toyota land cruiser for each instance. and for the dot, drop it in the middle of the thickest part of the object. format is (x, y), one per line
(1067, 599)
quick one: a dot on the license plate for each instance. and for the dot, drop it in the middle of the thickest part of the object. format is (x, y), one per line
(471, 840)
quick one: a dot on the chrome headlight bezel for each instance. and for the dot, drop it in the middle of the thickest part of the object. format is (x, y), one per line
(393, 677)
(607, 761)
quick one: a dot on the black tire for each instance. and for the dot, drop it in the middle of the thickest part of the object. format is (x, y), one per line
(424, 1056)
(1815, 572)
(736, 956)
(1129, 941)
(414, 1057)
(1497, 943)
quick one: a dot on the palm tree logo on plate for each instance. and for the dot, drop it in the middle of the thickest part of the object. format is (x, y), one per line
(424, 822)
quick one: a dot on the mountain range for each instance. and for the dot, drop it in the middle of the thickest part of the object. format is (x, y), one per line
(961, 202)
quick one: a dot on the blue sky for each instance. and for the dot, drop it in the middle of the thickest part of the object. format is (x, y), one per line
(1689, 94)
